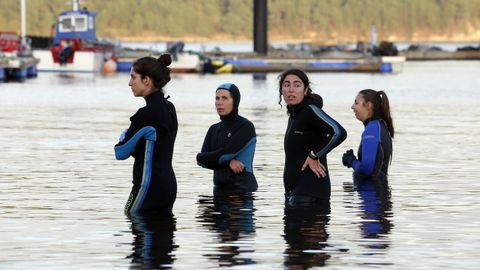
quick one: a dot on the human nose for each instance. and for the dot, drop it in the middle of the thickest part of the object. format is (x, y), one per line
(288, 88)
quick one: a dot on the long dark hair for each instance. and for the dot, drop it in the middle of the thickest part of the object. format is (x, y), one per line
(381, 106)
(156, 69)
(303, 76)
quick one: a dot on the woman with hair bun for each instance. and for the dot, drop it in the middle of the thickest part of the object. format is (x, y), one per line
(375, 151)
(150, 139)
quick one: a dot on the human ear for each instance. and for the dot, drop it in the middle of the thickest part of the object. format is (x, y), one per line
(147, 81)
(369, 105)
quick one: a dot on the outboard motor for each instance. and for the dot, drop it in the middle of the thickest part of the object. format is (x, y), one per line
(66, 52)
(174, 48)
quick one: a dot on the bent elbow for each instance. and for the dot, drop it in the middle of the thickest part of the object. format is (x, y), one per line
(121, 152)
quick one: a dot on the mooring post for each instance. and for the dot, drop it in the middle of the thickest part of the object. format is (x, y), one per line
(260, 30)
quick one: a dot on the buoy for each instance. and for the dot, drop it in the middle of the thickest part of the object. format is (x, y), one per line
(109, 66)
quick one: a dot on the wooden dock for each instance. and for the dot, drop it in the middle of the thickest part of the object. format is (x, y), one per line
(440, 55)
(281, 60)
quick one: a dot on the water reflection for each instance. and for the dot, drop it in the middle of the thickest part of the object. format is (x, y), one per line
(376, 212)
(306, 235)
(232, 218)
(153, 242)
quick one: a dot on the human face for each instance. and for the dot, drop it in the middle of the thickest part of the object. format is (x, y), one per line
(363, 110)
(223, 102)
(141, 87)
(293, 90)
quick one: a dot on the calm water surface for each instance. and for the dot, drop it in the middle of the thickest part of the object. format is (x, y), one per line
(62, 192)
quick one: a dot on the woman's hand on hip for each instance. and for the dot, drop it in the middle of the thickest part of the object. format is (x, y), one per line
(317, 168)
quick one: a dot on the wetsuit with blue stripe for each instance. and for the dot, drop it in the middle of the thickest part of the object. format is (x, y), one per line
(150, 140)
(374, 152)
(309, 129)
(232, 138)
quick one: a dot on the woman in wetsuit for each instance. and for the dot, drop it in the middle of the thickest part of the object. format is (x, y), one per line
(229, 145)
(311, 134)
(150, 139)
(375, 151)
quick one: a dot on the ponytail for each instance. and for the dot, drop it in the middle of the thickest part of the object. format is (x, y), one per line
(385, 112)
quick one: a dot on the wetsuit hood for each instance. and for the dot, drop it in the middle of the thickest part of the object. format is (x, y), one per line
(233, 89)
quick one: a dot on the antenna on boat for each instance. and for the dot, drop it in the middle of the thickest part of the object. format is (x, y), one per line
(75, 5)
(373, 36)
(23, 22)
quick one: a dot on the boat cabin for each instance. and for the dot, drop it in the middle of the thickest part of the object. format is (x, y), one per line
(75, 24)
(75, 31)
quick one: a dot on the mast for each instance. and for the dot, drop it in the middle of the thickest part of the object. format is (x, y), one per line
(23, 9)
(75, 5)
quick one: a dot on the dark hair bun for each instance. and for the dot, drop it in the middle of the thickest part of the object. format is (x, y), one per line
(165, 59)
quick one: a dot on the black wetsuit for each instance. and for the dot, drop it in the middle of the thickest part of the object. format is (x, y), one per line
(232, 138)
(309, 129)
(150, 140)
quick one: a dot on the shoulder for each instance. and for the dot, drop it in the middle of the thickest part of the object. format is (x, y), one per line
(318, 112)
(373, 125)
(315, 108)
(372, 129)
(141, 113)
(169, 104)
(244, 122)
(214, 126)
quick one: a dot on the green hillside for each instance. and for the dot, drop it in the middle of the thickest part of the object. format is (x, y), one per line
(325, 21)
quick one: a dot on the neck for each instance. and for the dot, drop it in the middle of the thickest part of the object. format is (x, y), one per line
(229, 117)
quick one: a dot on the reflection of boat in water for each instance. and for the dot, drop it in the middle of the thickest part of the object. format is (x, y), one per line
(75, 46)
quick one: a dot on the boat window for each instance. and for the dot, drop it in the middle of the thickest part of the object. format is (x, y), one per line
(65, 24)
(90, 23)
(73, 23)
(80, 23)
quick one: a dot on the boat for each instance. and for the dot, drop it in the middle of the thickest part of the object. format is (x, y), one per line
(327, 63)
(75, 46)
(429, 53)
(183, 61)
(364, 58)
(16, 60)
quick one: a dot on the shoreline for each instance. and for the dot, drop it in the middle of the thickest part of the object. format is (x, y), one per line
(289, 41)
(317, 41)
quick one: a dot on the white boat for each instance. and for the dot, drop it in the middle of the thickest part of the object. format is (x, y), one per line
(75, 46)
(183, 61)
